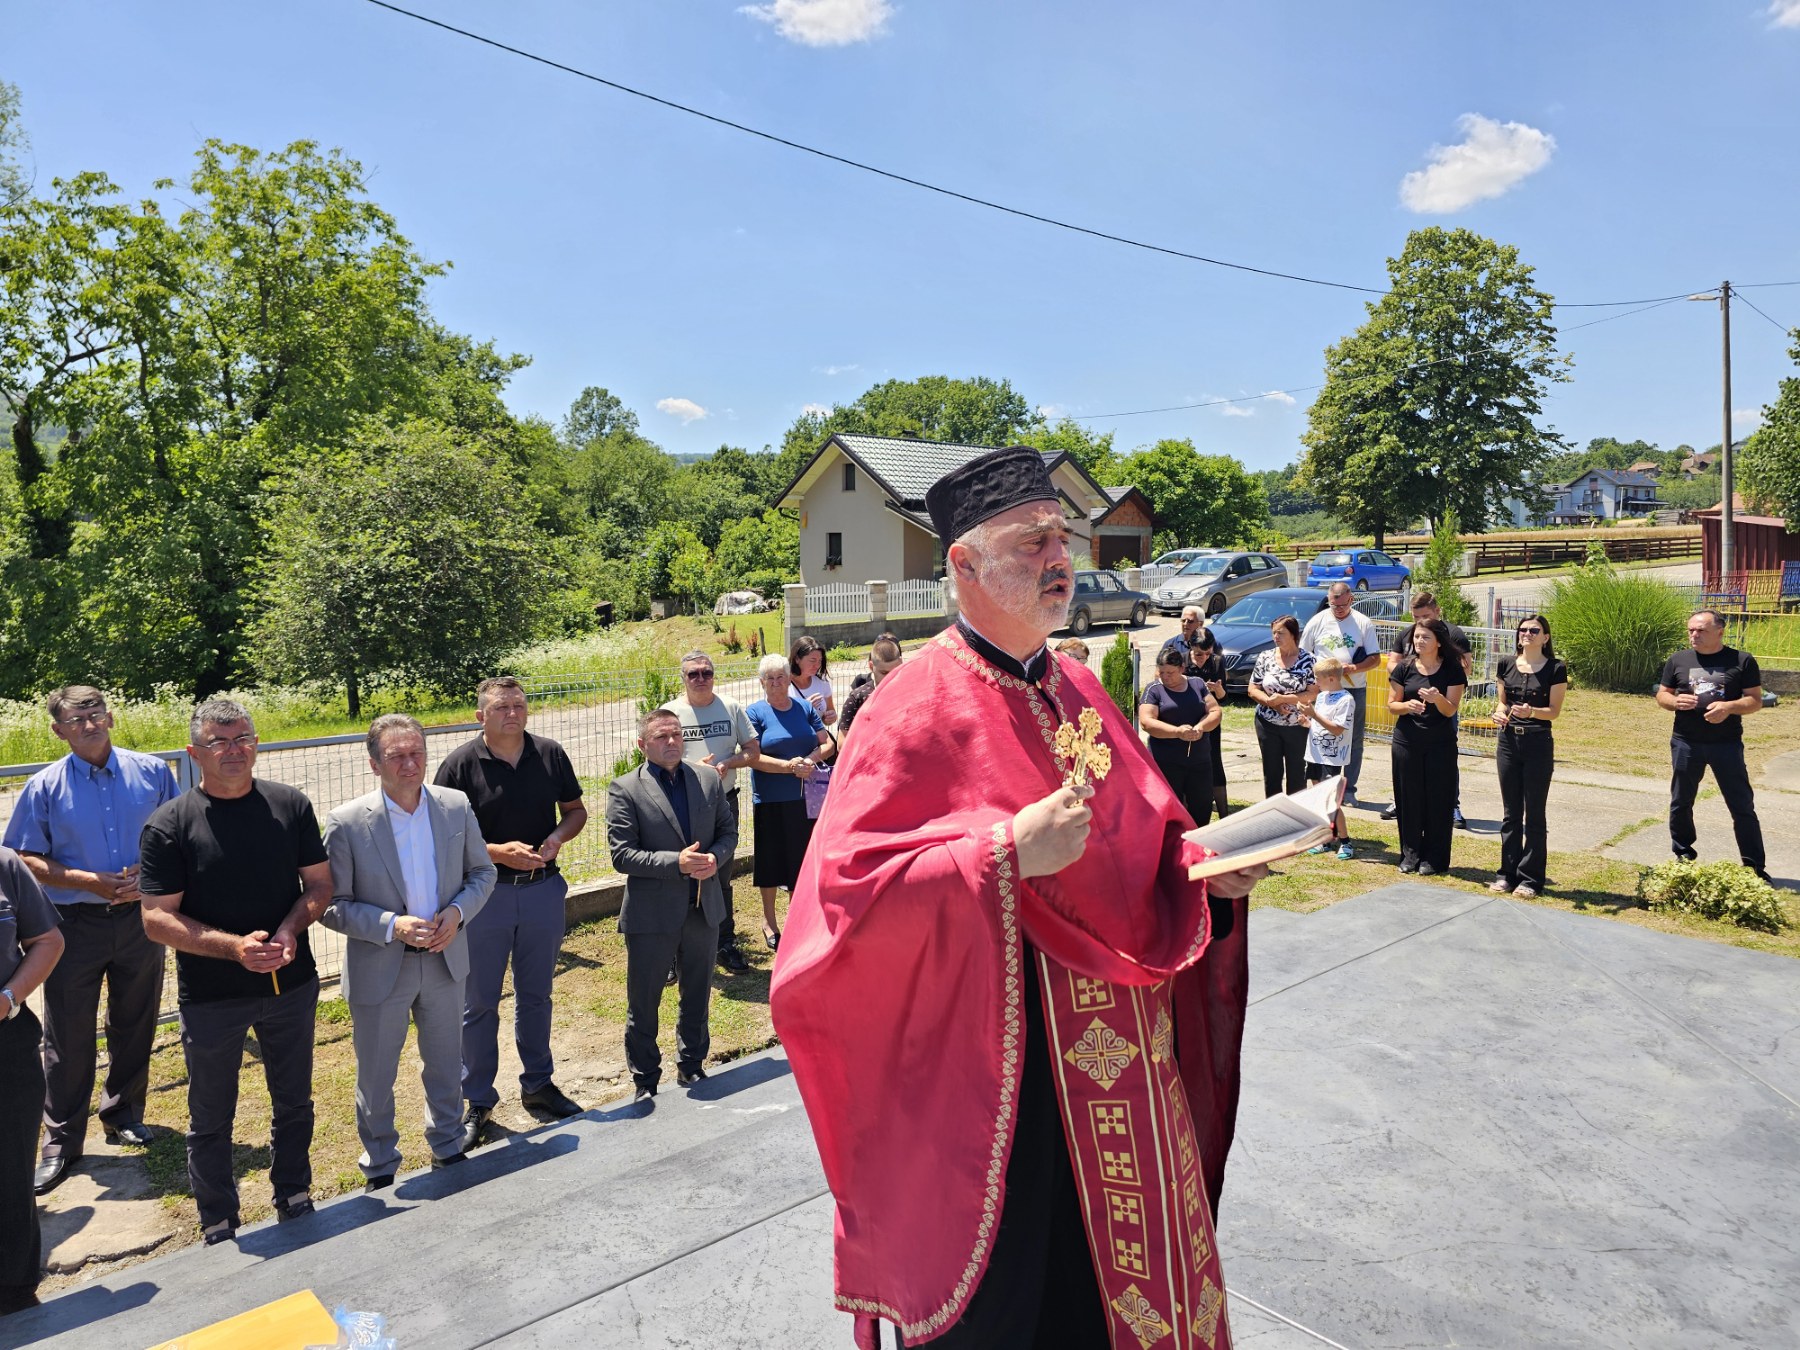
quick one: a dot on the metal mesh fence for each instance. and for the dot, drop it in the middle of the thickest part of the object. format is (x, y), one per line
(594, 717)
(1477, 734)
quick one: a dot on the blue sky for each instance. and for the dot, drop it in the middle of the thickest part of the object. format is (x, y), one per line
(1626, 150)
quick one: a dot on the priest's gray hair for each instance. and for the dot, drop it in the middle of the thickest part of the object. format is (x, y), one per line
(979, 539)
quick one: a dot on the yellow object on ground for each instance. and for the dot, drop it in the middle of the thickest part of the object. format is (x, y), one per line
(290, 1323)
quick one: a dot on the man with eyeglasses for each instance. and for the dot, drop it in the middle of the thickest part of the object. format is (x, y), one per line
(1711, 688)
(76, 826)
(234, 873)
(715, 731)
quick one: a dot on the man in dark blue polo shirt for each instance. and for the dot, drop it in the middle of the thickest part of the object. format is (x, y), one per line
(518, 784)
(76, 825)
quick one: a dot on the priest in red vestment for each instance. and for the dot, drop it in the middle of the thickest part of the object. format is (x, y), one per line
(975, 984)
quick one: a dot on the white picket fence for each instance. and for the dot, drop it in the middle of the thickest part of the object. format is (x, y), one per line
(838, 600)
(915, 597)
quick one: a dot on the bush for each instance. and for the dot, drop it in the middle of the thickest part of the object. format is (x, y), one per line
(1615, 632)
(1440, 572)
(1715, 890)
(1115, 675)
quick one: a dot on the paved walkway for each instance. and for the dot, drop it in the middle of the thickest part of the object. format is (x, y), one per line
(1465, 1121)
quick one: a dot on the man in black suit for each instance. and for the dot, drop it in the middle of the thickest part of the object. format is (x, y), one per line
(671, 830)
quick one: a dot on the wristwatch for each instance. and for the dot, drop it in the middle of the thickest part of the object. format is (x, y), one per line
(14, 1005)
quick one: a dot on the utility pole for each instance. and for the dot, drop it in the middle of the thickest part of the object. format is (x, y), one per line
(1727, 549)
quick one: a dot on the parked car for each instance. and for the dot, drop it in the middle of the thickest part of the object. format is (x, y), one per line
(1216, 581)
(1100, 597)
(1366, 569)
(1177, 558)
(1242, 632)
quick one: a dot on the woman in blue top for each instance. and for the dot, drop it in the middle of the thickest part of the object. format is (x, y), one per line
(793, 743)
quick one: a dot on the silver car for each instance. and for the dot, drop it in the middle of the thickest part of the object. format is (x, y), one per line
(1219, 580)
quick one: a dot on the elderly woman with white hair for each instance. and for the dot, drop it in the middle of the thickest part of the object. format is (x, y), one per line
(793, 743)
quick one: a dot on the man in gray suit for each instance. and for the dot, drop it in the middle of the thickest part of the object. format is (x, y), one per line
(670, 830)
(409, 869)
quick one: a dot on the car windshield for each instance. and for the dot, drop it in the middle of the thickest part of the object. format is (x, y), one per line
(1266, 608)
(1203, 567)
(1332, 560)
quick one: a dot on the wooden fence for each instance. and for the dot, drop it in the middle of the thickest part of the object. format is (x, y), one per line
(1528, 551)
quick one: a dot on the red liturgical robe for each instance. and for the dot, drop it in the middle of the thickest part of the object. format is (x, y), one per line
(898, 997)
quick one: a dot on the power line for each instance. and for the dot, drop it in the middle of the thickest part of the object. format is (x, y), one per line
(1746, 300)
(1761, 285)
(952, 193)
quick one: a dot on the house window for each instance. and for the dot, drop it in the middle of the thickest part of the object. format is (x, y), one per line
(849, 478)
(834, 549)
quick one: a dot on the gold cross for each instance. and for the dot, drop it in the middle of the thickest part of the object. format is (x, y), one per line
(1080, 752)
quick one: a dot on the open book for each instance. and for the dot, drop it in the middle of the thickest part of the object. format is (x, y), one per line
(1275, 828)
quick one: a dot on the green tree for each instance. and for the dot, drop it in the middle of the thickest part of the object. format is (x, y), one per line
(596, 414)
(1092, 452)
(14, 184)
(1440, 572)
(1431, 406)
(673, 564)
(407, 562)
(1768, 467)
(760, 553)
(974, 411)
(1201, 500)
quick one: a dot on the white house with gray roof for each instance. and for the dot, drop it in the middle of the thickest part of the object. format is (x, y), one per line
(861, 502)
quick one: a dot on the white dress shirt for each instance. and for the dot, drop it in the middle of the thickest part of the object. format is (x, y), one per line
(418, 856)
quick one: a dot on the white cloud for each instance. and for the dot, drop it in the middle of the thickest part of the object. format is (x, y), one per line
(824, 23)
(1052, 412)
(815, 410)
(1238, 410)
(1280, 396)
(1491, 157)
(684, 408)
(1751, 415)
(837, 370)
(1784, 14)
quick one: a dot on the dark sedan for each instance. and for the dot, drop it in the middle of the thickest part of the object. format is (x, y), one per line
(1242, 631)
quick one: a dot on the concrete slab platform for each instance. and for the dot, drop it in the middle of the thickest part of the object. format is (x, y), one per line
(1465, 1122)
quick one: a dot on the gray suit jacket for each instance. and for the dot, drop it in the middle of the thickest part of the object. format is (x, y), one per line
(368, 889)
(646, 844)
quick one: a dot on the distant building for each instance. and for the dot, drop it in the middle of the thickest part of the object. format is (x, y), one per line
(1605, 494)
(1648, 467)
(1695, 465)
(861, 501)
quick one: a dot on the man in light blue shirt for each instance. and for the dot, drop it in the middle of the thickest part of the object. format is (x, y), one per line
(76, 825)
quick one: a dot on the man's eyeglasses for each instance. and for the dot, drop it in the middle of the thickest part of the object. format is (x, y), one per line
(83, 719)
(696, 676)
(245, 742)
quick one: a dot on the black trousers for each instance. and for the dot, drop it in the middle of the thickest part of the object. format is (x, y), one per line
(21, 1091)
(1691, 760)
(212, 1040)
(728, 929)
(100, 943)
(648, 957)
(1191, 776)
(1425, 790)
(1526, 760)
(1283, 757)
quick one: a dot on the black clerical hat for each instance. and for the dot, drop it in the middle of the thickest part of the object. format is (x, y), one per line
(986, 486)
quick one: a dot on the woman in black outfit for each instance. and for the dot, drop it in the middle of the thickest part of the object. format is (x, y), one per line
(1424, 691)
(1177, 713)
(1532, 684)
(1206, 665)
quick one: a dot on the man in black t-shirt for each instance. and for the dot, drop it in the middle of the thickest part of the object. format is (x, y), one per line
(527, 801)
(1711, 688)
(233, 873)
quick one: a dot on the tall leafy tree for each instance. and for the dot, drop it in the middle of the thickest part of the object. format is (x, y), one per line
(596, 414)
(1768, 467)
(14, 182)
(401, 557)
(1200, 499)
(974, 411)
(1067, 436)
(1431, 407)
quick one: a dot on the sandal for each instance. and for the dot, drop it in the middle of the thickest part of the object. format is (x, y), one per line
(772, 936)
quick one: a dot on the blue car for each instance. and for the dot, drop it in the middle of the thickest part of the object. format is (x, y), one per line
(1366, 569)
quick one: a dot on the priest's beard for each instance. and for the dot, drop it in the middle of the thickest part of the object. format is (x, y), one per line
(1021, 591)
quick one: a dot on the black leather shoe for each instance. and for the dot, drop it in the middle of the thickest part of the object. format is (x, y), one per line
(374, 1184)
(1685, 854)
(644, 1092)
(136, 1135)
(475, 1126)
(730, 958)
(550, 1098)
(222, 1232)
(1391, 811)
(50, 1173)
(685, 1079)
(439, 1164)
(671, 977)
(287, 1212)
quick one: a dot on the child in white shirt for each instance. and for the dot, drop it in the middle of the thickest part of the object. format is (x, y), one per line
(1332, 720)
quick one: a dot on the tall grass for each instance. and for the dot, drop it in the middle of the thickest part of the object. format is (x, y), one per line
(1615, 632)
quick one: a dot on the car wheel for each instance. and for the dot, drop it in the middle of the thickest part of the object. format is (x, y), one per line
(1080, 623)
(1140, 616)
(1215, 607)
(1363, 585)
